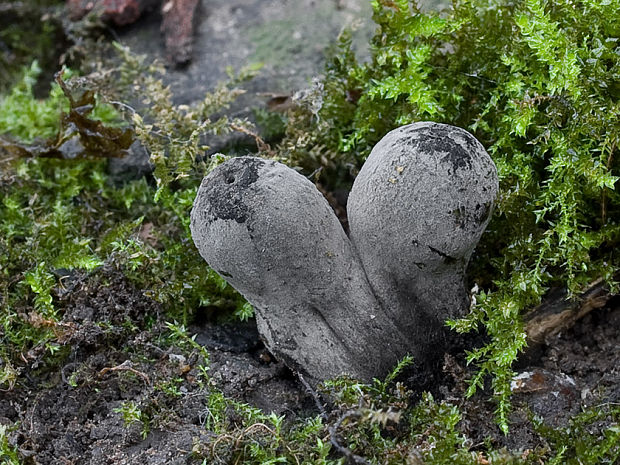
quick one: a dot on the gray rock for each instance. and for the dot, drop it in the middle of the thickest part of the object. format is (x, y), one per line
(134, 165)
(269, 232)
(327, 305)
(416, 212)
(288, 37)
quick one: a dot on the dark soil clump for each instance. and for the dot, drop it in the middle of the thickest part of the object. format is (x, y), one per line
(577, 370)
(118, 357)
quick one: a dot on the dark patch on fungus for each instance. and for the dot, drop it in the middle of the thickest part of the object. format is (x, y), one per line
(457, 155)
(483, 212)
(228, 186)
(439, 138)
(447, 258)
(460, 217)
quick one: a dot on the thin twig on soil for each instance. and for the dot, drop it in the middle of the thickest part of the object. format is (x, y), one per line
(556, 314)
(333, 436)
(126, 366)
(260, 143)
(237, 440)
(315, 396)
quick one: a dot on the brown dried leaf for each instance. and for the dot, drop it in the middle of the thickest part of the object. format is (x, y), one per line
(78, 137)
(281, 103)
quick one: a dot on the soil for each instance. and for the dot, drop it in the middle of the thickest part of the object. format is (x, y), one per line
(578, 369)
(117, 353)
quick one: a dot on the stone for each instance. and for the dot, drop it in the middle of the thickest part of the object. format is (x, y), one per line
(177, 20)
(135, 164)
(288, 37)
(327, 304)
(554, 397)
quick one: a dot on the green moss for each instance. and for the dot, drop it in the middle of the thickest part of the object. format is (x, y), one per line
(271, 124)
(26, 117)
(592, 437)
(60, 216)
(375, 424)
(8, 452)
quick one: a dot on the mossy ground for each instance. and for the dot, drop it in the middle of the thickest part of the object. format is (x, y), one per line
(130, 387)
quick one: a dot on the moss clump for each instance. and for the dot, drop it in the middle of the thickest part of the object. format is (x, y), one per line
(27, 118)
(375, 424)
(64, 216)
(8, 452)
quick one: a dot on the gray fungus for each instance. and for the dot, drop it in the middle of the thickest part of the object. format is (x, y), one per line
(328, 304)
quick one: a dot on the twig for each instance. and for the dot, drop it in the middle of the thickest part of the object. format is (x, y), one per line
(241, 435)
(126, 366)
(315, 396)
(333, 429)
(556, 314)
(221, 437)
(333, 436)
(260, 143)
(123, 105)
